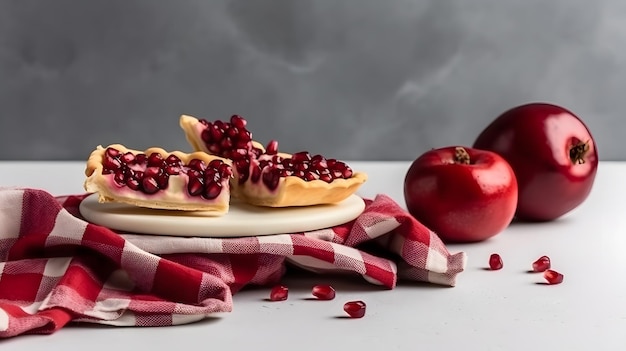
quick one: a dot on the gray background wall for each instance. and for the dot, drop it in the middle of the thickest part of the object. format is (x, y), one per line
(354, 79)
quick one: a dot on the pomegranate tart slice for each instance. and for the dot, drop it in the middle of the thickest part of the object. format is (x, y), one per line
(159, 179)
(298, 180)
(266, 177)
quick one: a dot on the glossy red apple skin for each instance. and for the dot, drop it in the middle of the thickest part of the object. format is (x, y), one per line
(461, 202)
(536, 140)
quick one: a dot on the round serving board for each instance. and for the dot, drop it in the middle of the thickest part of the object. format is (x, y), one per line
(241, 220)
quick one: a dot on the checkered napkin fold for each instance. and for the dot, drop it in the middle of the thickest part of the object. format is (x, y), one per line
(56, 268)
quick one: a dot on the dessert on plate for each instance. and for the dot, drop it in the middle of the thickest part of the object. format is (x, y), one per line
(156, 178)
(263, 176)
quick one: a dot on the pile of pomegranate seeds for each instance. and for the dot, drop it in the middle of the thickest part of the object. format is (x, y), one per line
(553, 277)
(323, 292)
(355, 309)
(541, 264)
(150, 173)
(223, 137)
(231, 140)
(279, 293)
(495, 262)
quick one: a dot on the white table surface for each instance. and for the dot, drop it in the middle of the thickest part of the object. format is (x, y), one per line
(488, 310)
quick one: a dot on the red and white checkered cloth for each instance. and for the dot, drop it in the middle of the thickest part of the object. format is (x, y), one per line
(56, 268)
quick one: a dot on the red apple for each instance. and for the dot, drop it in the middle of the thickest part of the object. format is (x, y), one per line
(552, 153)
(462, 194)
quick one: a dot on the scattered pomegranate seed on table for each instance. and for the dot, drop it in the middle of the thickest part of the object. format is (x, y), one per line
(495, 262)
(323, 292)
(355, 309)
(541, 264)
(279, 293)
(553, 277)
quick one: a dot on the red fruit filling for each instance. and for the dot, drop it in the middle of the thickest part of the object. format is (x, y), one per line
(354, 309)
(541, 264)
(270, 168)
(279, 293)
(232, 140)
(323, 292)
(553, 277)
(151, 173)
(495, 262)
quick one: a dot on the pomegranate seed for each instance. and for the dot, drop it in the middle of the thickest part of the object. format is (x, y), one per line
(232, 132)
(141, 159)
(347, 173)
(238, 121)
(133, 184)
(225, 171)
(215, 164)
(172, 170)
(212, 190)
(279, 293)
(541, 264)
(272, 147)
(162, 180)
(211, 175)
(149, 185)
(111, 163)
(206, 136)
(195, 185)
(155, 160)
(256, 174)
(326, 177)
(172, 160)
(216, 133)
(287, 163)
(301, 166)
(128, 158)
(226, 143)
(152, 171)
(245, 135)
(111, 152)
(239, 154)
(301, 156)
(271, 178)
(119, 178)
(220, 125)
(553, 277)
(323, 292)
(355, 309)
(197, 165)
(495, 262)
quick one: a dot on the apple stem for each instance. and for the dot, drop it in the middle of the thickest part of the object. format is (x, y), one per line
(461, 156)
(578, 151)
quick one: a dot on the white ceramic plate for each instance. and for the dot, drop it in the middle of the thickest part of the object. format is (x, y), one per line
(241, 220)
